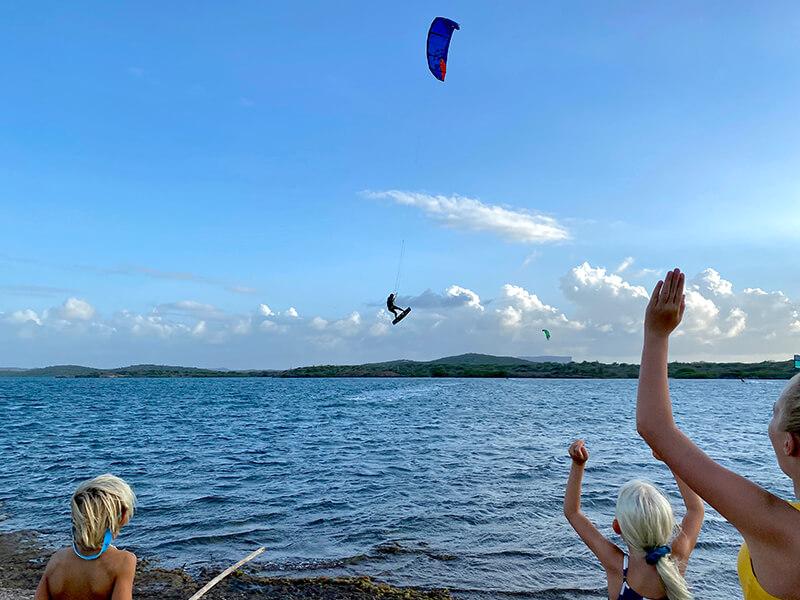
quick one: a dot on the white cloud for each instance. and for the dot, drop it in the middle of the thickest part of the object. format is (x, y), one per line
(468, 297)
(470, 214)
(710, 282)
(624, 265)
(598, 316)
(24, 316)
(348, 326)
(74, 309)
(604, 299)
(531, 257)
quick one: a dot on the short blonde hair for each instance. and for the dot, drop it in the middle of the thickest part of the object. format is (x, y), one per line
(98, 505)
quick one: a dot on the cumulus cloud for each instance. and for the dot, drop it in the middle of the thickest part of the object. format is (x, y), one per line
(604, 300)
(468, 214)
(597, 316)
(74, 309)
(24, 316)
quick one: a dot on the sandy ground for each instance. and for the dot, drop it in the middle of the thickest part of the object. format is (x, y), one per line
(22, 561)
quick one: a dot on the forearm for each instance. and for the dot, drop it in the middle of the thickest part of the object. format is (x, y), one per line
(691, 500)
(572, 495)
(653, 407)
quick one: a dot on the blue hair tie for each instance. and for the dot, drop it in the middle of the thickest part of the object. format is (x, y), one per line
(657, 554)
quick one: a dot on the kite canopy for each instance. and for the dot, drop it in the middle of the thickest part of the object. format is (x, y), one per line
(797, 361)
(438, 43)
(546, 333)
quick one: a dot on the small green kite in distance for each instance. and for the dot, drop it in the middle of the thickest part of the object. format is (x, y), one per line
(547, 334)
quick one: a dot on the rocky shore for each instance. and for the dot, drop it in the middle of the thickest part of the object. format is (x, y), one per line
(23, 558)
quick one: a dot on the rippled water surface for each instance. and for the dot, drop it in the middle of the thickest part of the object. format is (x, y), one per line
(447, 482)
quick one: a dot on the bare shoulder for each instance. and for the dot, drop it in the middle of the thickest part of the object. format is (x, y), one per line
(123, 560)
(58, 558)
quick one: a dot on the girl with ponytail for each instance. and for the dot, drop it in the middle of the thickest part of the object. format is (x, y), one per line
(655, 562)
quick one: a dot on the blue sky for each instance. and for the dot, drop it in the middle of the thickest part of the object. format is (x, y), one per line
(178, 169)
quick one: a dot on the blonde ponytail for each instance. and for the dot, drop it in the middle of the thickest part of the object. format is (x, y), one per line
(674, 583)
(647, 524)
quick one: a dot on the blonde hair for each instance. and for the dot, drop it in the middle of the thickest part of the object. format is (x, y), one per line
(98, 505)
(790, 407)
(645, 518)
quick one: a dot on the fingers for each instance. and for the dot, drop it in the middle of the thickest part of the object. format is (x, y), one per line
(656, 292)
(578, 451)
(677, 287)
(668, 284)
(670, 290)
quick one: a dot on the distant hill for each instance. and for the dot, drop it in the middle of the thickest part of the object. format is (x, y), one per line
(557, 359)
(131, 371)
(56, 371)
(478, 359)
(462, 365)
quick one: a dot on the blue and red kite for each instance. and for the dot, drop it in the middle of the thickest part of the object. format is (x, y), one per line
(438, 43)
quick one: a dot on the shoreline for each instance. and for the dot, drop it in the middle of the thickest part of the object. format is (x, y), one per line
(23, 559)
(468, 366)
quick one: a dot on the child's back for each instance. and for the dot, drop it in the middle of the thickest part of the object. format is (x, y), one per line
(108, 577)
(93, 569)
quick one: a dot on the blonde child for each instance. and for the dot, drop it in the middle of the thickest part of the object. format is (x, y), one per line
(769, 560)
(655, 562)
(93, 569)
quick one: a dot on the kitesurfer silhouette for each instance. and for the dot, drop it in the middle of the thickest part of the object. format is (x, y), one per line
(391, 306)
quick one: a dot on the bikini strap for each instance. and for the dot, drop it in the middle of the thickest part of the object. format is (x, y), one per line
(106, 544)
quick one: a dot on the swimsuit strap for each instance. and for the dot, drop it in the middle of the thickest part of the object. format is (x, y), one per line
(106, 544)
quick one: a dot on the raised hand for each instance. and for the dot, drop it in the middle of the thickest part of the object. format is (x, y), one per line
(665, 309)
(578, 452)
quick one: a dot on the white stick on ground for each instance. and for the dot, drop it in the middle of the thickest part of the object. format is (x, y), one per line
(225, 573)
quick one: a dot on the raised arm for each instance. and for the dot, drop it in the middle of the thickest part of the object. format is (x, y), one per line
(606, 551)
(758, 515)
(684, 542)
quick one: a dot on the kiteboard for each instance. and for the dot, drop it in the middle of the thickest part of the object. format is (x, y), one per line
(401, 316)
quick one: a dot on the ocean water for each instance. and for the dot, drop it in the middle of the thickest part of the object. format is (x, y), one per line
(430, 482)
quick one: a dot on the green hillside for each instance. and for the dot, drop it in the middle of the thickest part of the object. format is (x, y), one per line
(464, 365)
